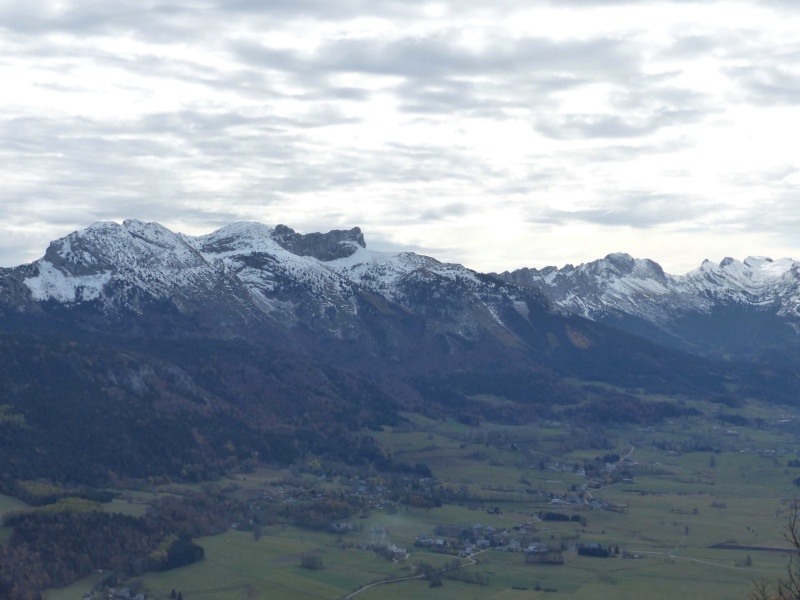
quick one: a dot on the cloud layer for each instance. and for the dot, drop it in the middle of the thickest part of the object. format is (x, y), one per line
(520, 134)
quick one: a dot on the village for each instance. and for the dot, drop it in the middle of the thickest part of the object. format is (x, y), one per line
(548, 510)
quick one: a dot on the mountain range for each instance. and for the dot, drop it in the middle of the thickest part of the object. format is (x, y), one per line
(741, 310)
(129, 350)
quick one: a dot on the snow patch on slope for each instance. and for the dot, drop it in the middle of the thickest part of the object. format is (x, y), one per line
(383, 272)
(52, 284)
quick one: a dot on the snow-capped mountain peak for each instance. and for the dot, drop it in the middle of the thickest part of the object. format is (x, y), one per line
(248, 273)
(618, 287)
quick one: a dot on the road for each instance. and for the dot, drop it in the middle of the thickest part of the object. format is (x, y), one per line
(388, 581)
(628, 455)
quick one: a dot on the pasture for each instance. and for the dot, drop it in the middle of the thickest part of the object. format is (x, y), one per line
(690, 484)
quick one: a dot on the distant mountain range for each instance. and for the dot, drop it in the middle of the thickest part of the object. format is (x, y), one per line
(741, 310)
(254, 341)
(249, 277)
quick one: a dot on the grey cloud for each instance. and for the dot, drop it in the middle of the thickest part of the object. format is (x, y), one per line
(153, 168)
(434, 58)
(691, 46)
(398, 168)
(774, 207)
(491, 99)
(169, 166)
(62, 57)
(437, 74)
(444, 97)
(168, 21)
(643, 105)
(159, 20)
(759, 216)
(319, 9)
(439, 77)
(780, 4)
(148, 165)
(657, 94)
(774, 177)
(434, 163)
(439, 213)
(619, 152)
(635, 209)
(400, 8)
(154, 159)
(768, 85)
(601, 3)
(588, 126)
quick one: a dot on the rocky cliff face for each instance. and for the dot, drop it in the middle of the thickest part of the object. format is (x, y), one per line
(322, 246)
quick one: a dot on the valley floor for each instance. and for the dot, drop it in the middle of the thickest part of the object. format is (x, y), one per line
(678, 522)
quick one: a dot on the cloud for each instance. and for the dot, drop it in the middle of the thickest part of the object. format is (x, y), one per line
(440, 75)
(611, 126)
(419, 120)
(143, 166)
(455, 209)
(446, 55)
(768, 85)
(691, 46)
(638, 210)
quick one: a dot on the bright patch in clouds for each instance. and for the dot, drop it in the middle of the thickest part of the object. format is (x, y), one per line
(498, 135)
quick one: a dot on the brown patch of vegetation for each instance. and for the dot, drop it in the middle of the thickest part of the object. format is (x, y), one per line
(579, 339)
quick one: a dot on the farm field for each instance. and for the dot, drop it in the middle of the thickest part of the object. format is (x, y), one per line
(689, 507)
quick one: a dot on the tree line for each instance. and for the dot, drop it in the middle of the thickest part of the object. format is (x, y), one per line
(54, 545)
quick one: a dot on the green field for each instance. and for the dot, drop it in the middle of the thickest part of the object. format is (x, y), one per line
(8, 504)
(671, 511)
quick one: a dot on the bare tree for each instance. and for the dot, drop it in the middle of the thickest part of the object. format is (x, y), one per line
(787, 588)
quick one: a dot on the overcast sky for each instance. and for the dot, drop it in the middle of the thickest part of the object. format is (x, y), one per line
(495, 134)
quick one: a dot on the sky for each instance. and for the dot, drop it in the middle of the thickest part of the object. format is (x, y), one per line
(499, 135)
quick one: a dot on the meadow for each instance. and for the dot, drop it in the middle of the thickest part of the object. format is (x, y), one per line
(8, 504)
(665, 518)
